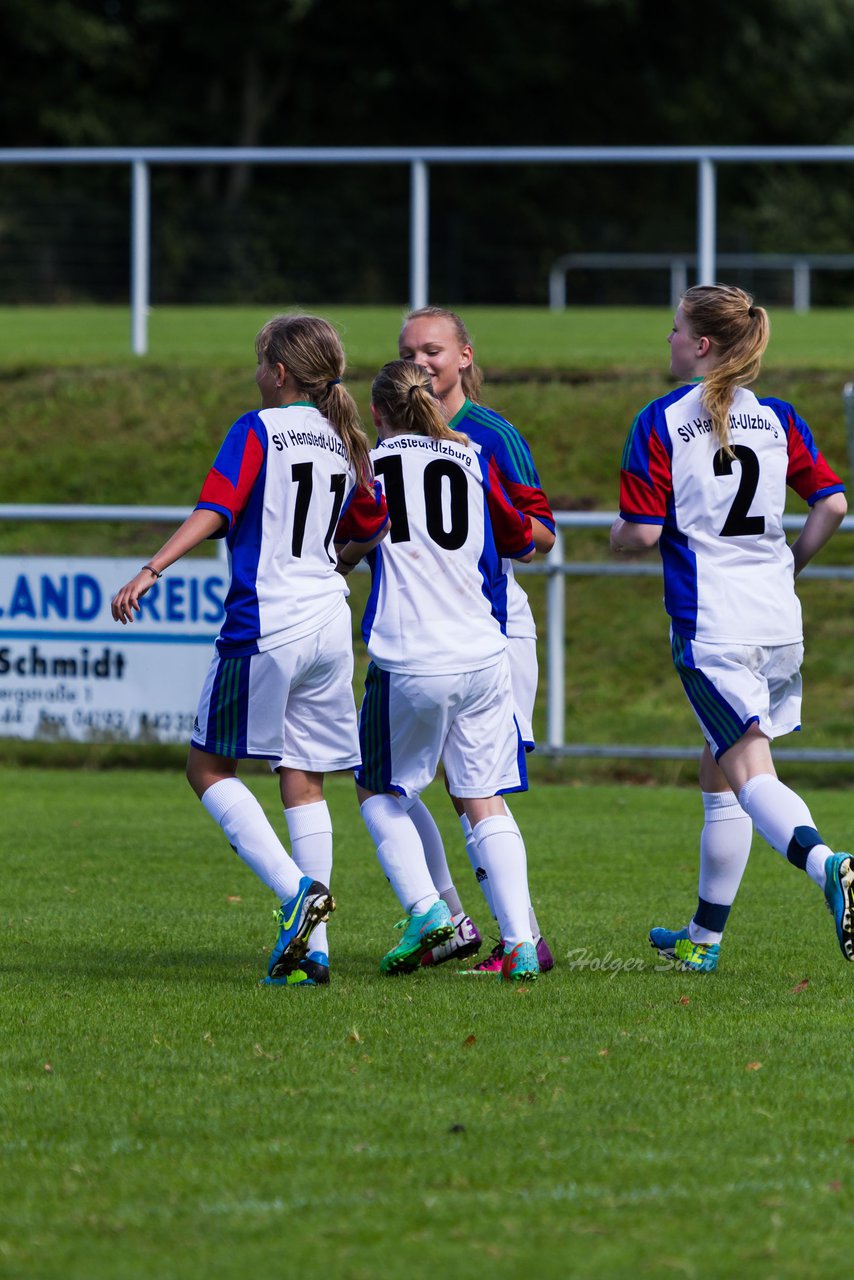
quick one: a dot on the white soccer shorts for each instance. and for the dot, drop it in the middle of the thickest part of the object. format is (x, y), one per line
(408, 723)
(524, 673)
(292, 705)
(733, 686)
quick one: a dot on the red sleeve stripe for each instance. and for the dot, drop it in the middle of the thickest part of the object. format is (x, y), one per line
(219, 490)
(531, 501)
(808, 476)
(511, 528)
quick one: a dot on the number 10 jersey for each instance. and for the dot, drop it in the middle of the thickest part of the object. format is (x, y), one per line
(438, 601)
(728, 570)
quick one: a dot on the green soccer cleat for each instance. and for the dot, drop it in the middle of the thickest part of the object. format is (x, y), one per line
(421, 933)
(839, 896)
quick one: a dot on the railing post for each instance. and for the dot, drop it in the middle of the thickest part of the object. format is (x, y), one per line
(848, 404)
(419, 231)
(678, 281)
(555, 631)
(801, 286)
(706, 228)
(140, 225)
(557, 288)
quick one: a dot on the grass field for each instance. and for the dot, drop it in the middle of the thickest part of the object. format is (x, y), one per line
(163, 1116)
(577, 340)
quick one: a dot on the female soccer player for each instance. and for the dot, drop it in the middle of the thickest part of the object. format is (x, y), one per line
(704, 475)
(438, 686)
(288, 479)
(437, 339)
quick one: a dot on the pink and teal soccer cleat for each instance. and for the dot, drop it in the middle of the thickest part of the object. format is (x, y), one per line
(493, 962)
(520, 964)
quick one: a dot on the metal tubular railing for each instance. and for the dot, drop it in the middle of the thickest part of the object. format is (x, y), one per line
(555, 568)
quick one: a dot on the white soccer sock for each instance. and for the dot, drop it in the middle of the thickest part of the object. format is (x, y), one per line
(310, 830)
(434, 852)
(532, 915)
(400, 852)
(501, 850)
(251, 836)
(476, 865)
(724, 850)
(780, 816)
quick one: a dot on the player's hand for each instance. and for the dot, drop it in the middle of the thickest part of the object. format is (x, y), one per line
(126, 601)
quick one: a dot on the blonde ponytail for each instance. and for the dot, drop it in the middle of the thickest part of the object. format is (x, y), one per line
(311, 351)
(739, 332)
(402, 394)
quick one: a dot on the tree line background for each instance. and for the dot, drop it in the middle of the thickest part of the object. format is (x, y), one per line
(483, 72)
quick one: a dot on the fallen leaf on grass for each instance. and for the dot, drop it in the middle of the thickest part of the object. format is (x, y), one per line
(234, 897)
(48, 1068)
(354, 1037)
(469, 1041)
(603, 1053)
(836, 1185)
(753, 1066)
(684, 999)
(801, 986)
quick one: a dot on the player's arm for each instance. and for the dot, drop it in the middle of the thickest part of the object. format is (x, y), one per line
(530, 500)
(825, 517)
(224, 494)
(512, 529)
(198, 526)
(363, 524)
(627, 535)
(645, 488)
(812, 479)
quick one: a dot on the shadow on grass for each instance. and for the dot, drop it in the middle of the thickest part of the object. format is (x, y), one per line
(138, 964)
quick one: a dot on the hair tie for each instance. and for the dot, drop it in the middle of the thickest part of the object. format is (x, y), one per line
(414, 386)
(751, 311)
(333, 382)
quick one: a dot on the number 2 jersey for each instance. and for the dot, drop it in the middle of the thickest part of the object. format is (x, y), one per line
(728, 570)
(287, 489)
(438, 599)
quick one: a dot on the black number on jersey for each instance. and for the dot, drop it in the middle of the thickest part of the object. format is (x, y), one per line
(302, 473)
(435, 473)
(738, 522)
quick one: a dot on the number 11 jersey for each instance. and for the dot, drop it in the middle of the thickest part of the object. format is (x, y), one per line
(728, 570)
(285, 485)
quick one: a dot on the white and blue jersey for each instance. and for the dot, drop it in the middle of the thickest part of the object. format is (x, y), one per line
(505, 448)
(283, 481)
(438, 600)
(728, 570)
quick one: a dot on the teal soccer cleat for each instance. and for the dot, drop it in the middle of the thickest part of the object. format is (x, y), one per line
(696, 957)
(839, 896)
(421, 934)
(311, 971)
(296, 919)
(520, 964)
